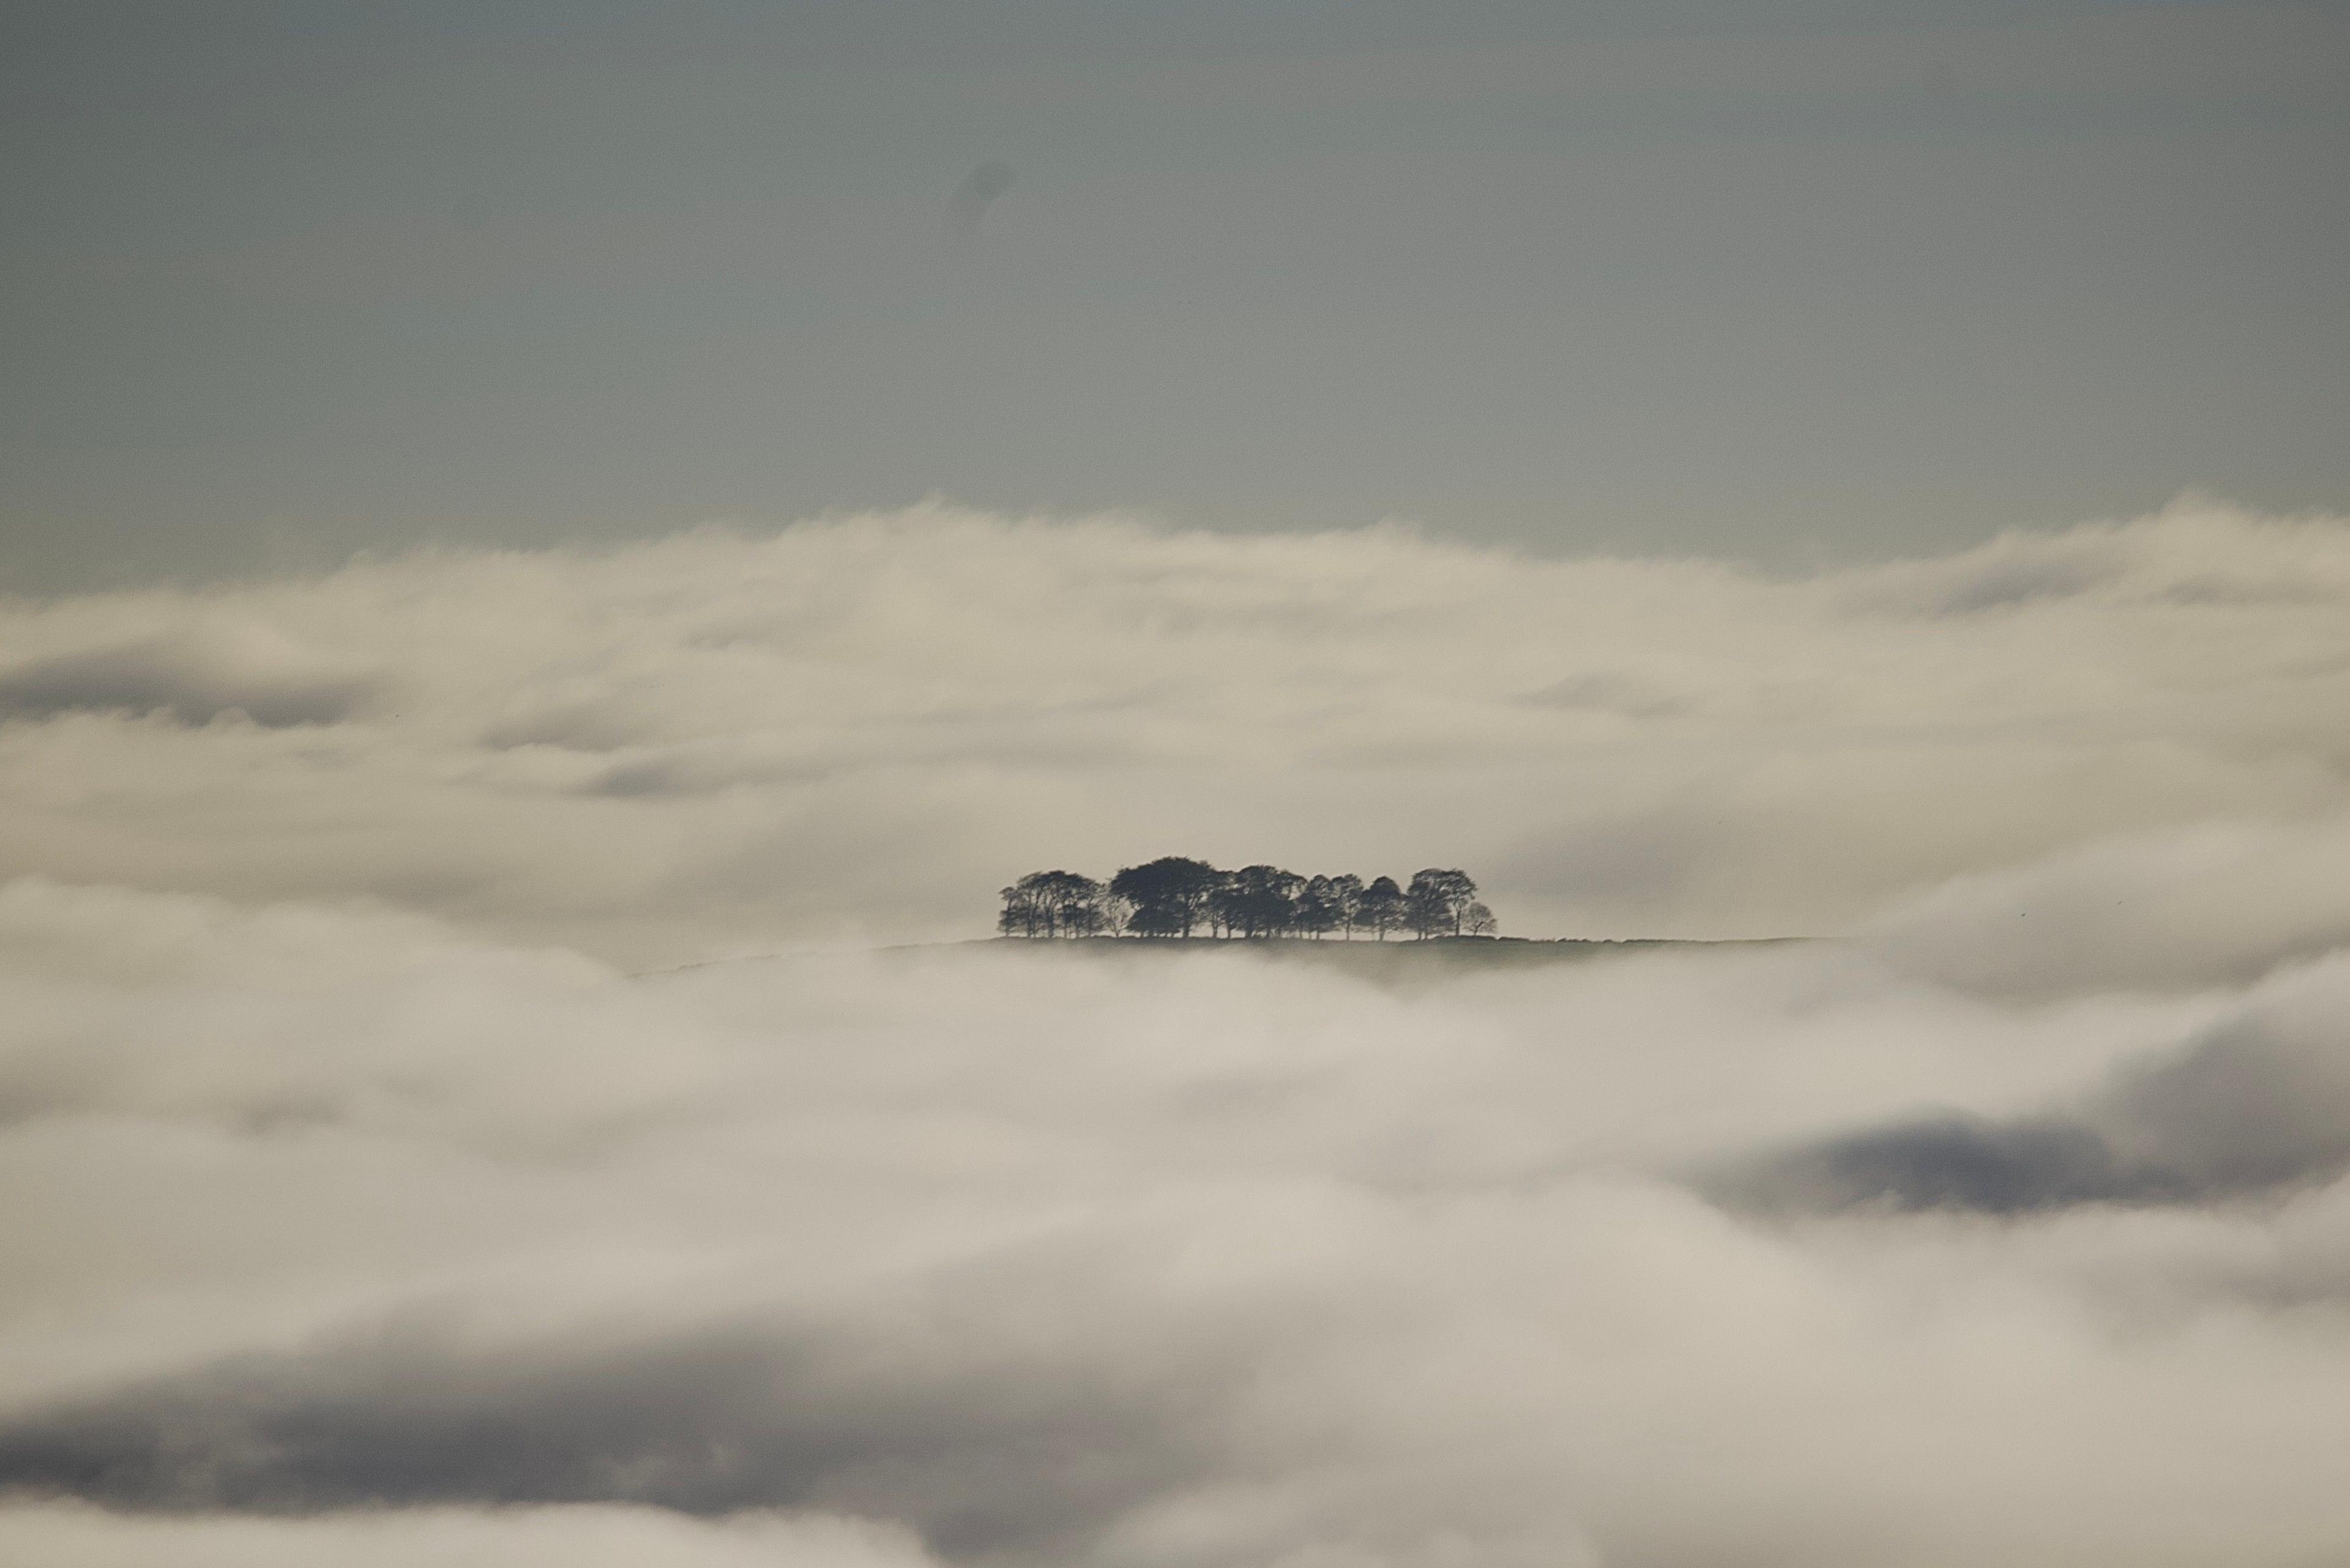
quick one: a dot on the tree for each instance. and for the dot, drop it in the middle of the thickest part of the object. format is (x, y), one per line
(1050, 904)
(1168, 895)
(1021, 917)
(1259, 901)
(1345, 897)
(1438, 900)
(1157, 920)
(1381, 908)
(1173, 897)
(1116, 910)
(1317, 912)
(1221, 923)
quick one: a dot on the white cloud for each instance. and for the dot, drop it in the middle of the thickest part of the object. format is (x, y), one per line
(362, 1206)
(1125, 1258)
(866, 725)
(2209, 904)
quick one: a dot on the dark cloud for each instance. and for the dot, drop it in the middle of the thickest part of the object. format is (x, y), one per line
(650, 777)
(2248, 1110)
(1998, 584)
(1946, 1161)
(983, 1447)
(192, 679)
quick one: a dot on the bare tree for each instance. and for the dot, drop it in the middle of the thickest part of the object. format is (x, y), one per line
(1117, 910)
(1021, 916)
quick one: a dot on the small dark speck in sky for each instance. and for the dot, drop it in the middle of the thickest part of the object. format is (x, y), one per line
(972, 199)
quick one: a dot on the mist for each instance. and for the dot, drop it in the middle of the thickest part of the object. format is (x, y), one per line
(859, 728)
(489, 1072)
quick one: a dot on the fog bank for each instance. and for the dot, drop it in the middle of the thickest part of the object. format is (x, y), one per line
(375, 1194)
(859, 728)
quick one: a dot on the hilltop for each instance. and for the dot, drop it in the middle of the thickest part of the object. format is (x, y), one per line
(1432, 959)
(1385, 959)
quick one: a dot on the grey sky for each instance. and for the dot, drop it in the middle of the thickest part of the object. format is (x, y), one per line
(285, 281)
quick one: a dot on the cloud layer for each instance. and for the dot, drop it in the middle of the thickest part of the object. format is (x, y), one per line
(865, 726)
(336, 1225)
(368, 1203)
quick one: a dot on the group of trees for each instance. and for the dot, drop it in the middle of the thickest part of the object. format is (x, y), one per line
(1172, 897)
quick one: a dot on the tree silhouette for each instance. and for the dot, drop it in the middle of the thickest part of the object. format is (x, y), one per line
(1170, 895)
(1345, 897)
(1117, 910)
(1259, 901)
(1438, 901)
(1174, 897)
(1381, 908)
(1050, 904)
(1317, 912)
(1220, 905)
(1021, 918)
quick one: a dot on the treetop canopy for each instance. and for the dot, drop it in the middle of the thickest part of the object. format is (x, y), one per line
(1175, 896)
